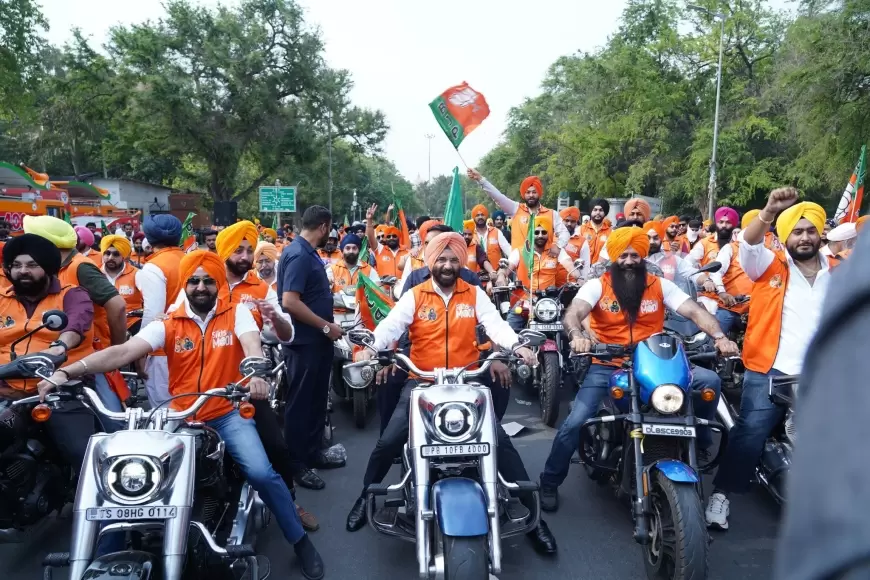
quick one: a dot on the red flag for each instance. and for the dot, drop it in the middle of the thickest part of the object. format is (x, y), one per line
(459, 110)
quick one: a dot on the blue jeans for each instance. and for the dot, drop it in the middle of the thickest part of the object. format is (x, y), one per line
(589, 397)
(727, 319)
(758, 417)
(516, 321)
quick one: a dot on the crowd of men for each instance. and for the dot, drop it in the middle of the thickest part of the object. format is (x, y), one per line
(247, 279)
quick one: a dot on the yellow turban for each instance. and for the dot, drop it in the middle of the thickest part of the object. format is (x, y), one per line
(748, 217)
(271, 233)
(55, 230)
(789, 218)
(267, 249)
(545, 223)
(623, 238)
(230, 238)
(860, 223)
(120, 243)
(468, 225)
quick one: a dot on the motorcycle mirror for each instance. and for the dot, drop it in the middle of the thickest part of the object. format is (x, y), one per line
(55, 320)
(361, 337)
(256, 366)
(711, 267)
(532, 337)
(578, 264)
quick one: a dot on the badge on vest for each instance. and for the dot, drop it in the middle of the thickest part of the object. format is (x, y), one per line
(427, 314)
(776, 281)
(649, 306)
(464, 311)
(612, 306)
(8, 322)
(125, 290)
(183, 344)
(221, 338)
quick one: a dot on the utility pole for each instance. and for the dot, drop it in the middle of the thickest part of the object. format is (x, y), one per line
(329, 152)
(430, 136)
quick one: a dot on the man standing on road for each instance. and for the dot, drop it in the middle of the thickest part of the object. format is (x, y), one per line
(307, 296)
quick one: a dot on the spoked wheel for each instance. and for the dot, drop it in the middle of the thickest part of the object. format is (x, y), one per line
(678, 536)
(466, 558)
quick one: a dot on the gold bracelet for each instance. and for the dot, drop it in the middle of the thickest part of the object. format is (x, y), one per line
(762, 220)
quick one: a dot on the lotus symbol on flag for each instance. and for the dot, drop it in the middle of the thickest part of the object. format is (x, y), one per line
(464, 98)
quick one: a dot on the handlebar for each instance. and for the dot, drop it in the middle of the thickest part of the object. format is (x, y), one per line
(406, 364)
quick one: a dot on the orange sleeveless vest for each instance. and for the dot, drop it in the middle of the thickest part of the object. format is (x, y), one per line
(443, 336)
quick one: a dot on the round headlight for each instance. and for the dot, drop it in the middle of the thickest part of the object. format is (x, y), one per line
(546, 310)
(132, 480)
(134, 477)
(667, 399)
(455, 422)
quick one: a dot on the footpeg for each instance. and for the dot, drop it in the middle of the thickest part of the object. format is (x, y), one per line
(523, 487)
(240, 551)
(56, 560)
(378, 489)
(394, 503)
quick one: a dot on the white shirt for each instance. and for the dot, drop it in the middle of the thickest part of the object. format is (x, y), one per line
(801, 307)
(697, 254)
(510, 207)
(826, 251)
(405, 310)
(503, 244)
(724, 257)
(591, 291)
(152, 285)
(155, 333)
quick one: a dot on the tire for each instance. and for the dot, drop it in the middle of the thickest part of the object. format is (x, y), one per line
(686, 557)
(360, 408)
(549, 391)
(466, 558)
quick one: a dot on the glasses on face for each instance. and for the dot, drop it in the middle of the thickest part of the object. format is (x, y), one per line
(541, 233)
(112, 255)
(391, 237)
(204, 280)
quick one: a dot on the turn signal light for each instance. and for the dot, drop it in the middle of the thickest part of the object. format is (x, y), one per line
(617, 393)
(41, 413)
(518, 310)
(247, 411)
(708, 395)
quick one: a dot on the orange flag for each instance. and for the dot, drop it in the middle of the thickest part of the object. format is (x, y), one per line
(459, 110)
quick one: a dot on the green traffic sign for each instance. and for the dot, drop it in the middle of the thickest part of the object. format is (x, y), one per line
(277, 199)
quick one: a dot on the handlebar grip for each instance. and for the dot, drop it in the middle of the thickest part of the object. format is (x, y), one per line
(702, 356)
(240, 551)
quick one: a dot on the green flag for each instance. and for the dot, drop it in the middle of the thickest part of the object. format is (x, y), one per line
(187, 228)
(364, 249)
(527, 255)
(373, 304)
(275, 225)
(67, 217)
(346, 223)
(453, 213)
(104, 228)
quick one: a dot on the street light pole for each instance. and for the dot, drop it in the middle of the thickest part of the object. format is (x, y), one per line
(711, 186)
(430, 136)
(329, 150)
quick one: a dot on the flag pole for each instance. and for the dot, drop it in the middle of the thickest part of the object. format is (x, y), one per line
(460, 158)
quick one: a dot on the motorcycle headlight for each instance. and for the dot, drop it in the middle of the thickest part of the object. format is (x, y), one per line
(132, 479)
(455, 422)
(667, 399)
(546, 310)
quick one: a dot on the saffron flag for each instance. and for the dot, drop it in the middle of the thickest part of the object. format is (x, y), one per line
(453, 214)
(459, 110)
(850, 202)
(372, 303)
(402, 224)
(188, 239)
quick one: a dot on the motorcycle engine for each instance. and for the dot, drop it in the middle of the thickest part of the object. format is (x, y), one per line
(791, 428)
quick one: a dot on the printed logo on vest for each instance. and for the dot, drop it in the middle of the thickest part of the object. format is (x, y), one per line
(588, 237)
(524, 219)
(776, 281)
(609, 305)
(603, 239)
(183, 344)
(427, 314)
(549, 263)
(125, 290)
(221, 338)
(649, 306)
(464, 311)
(7, 322)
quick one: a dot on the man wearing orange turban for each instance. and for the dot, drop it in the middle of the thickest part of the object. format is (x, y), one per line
(672, 241)
(490, 238)
(388, 253)
(577, 248)
(441, 316)
(624, 306)
(265, 262)
(637, 210)
(531, 192)
(536, 270)
(206, 339)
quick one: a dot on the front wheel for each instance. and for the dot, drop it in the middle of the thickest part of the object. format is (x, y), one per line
(549, 391)
(678, 544)
(360, 407)
(466, 558)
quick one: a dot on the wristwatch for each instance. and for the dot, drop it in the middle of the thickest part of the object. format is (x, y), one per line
(326, 329)
(61, 344)
(719, 336)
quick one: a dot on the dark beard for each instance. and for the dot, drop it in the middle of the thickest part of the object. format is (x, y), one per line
(29, 287)
(351, 259)
(239, 268)
(654, 249)
(629, 284)
(723, 237)
(202, 302)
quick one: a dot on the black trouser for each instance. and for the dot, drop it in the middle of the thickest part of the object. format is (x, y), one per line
(390, 444)
(389, 394)
(273, 442)
(308, 369)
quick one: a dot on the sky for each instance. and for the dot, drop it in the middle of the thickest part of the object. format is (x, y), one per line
(404, 53)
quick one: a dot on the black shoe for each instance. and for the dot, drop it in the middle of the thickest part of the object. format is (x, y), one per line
(357, 517)
(309, 559)
(309, 480)
(323, 462)
(542, 539)
(549, 498)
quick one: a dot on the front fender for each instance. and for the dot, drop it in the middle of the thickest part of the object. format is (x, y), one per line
(127, 565)
(460, 507)
(549, 346)
(675, 471)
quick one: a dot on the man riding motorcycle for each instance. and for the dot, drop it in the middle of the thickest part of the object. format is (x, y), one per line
(329, 253)
(478, 259)
(625, 306)
(577, 248)
(784, 313)
(730, 281)
(542, 274)
(597, 228)
(207, 339)
(388, 254)
(443, 307)
(346, 271)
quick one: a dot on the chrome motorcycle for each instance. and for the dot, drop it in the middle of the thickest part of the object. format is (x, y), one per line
(345, 313)
(454, 502)
(167, 483)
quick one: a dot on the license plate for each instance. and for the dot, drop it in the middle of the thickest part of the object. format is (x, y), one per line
(130, 513)
(455, 450)
(546, 327)
(668, 430)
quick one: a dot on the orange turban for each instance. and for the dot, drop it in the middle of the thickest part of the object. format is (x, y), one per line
(570, 213)
(468, 225)
(208, 261)
(860, 223)
(657, 227)
(267, 249)
(230, 238)
(623, 238)
(379, 230)
(443, 241)
(479, 209)
(672, 220)
(530, 181)
(424, 228)
(391, 231)
(640, 204)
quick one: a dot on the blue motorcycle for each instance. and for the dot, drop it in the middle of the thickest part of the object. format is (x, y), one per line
(642, 443)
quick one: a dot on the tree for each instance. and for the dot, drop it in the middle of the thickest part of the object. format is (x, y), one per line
(20, 21)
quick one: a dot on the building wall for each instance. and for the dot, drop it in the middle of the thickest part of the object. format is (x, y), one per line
(135, 195)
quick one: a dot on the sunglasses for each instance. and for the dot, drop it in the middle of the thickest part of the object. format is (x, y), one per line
(205, 280)
(542, 233)
(392, 237)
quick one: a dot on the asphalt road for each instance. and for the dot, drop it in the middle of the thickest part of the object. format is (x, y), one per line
(593, 529)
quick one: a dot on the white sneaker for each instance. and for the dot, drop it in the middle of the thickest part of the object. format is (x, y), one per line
(717, 512)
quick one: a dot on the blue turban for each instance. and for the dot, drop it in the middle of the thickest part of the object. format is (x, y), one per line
(498, 214)
(164, 229)
(351, 239)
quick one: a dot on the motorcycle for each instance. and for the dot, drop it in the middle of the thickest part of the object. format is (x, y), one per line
(168, 483)
(775, 463)
(344, 309)
(642, 443)
(455, 501)
(34, 479)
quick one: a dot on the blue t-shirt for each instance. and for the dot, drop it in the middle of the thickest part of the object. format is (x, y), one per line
(301, 270)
